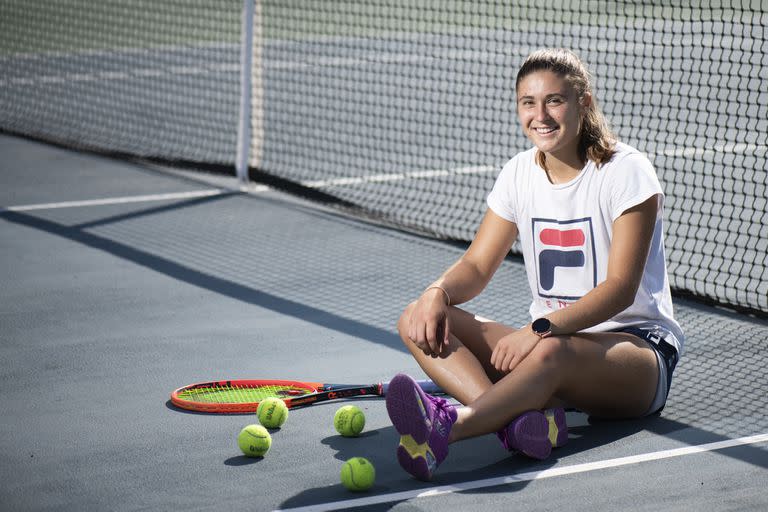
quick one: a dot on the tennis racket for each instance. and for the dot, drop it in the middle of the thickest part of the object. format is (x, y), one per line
(243, 396)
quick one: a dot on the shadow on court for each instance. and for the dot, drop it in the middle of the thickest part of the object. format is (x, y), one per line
(484, 459)
(195, 277)
(468, 461)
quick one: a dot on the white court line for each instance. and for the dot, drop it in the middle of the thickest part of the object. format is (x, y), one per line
(479, 169)
(717, 148)
(378, 178)
(533, 475)
(116, 200)
(251, 188)
(121, 75)
(110, 52)
(363, 60)
(357, 180)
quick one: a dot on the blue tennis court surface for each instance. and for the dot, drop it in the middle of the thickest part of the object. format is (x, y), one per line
(123, 281)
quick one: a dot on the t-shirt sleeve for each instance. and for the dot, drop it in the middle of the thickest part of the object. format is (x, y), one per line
(501, 199)
(634, 181)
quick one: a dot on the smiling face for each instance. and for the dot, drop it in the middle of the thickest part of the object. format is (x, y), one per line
(550, 113)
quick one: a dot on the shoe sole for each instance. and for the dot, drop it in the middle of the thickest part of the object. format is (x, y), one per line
(530, 435)
(558, 428)
(405, 406)
(416, 459)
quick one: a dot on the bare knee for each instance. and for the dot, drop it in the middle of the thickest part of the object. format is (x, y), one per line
(551, 352)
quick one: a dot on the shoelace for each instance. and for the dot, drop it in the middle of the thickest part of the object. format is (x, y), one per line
(443, 408)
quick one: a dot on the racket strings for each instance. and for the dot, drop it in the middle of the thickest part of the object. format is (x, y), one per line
(240, 394)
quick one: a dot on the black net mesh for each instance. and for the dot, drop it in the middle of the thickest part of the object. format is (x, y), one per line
(408, 112)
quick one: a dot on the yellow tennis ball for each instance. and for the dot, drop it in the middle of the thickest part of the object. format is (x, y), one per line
(349, 420)
(358, 474)
(254, 441)
(272, 412)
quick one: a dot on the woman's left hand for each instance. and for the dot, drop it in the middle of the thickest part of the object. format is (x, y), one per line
(513, 348)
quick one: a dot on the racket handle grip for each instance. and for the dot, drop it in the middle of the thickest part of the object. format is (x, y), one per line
(426, 385)
(430, 387)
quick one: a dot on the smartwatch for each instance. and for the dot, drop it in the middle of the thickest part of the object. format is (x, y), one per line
(542, 327)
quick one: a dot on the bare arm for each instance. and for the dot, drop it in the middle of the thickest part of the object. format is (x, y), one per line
(429, 326)
(466, 278)
(632, 235)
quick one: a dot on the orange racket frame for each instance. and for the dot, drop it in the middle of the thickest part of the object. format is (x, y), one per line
(244, 395)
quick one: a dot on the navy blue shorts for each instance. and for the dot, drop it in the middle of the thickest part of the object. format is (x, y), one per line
(667, 357)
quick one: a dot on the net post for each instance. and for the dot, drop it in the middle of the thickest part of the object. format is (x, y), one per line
(246, 64)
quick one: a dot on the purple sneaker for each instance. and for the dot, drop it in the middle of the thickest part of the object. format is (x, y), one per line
(423, 422)
(528, 434)
(558, 428)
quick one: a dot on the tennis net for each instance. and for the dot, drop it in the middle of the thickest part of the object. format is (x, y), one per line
(406, 109)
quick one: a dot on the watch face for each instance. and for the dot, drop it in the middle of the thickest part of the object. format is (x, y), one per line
(541, 325)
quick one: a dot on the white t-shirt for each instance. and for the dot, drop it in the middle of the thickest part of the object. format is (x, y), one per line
(565, 234)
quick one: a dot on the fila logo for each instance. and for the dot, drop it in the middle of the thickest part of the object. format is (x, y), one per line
(561, 249)
(550, 259)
